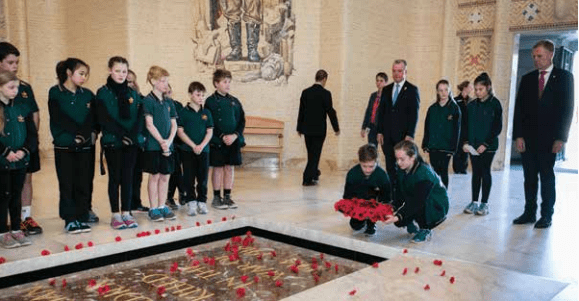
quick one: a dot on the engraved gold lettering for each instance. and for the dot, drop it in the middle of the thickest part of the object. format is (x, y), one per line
(204, 295)
(150, 279)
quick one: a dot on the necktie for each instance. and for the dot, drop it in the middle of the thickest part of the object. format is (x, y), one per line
(395, 97)
(542, 83)
(375, 109)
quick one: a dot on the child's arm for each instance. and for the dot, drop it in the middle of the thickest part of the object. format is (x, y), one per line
(183, 136)
(208, 135)
(173, 131)
(426, 136)
(155, 133)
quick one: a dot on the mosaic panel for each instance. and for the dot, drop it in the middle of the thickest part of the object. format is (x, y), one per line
(542, 14)
(475, 17)
(474, 56)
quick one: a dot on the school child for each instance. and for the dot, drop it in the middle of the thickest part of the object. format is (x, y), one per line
(367, 181)
(158, 160)
(370, 123)
(176, 179)
(420, 195)
(119, 114)
(442, 130)
(71, 109)
(485, 122)
(18, 138)
(195, 130)
(460, 158)
(136, 202)
(9, 59)
(227, 141)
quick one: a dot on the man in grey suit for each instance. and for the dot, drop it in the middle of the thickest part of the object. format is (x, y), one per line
(543, 114)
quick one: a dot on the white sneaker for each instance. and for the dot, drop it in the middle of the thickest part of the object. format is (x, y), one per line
(202, 207)
(192, 208)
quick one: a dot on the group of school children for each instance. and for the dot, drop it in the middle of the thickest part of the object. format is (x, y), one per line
(420, 194)
(137, 134)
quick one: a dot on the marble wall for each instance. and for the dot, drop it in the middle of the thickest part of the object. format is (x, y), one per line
(352, 40)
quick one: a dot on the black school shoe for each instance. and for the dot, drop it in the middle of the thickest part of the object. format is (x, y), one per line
(543, 223)
(90, 217)
(370, 229)
(171, 204)
(524, 219)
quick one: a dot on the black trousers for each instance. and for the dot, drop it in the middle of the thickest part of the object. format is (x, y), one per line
(541, 165)
(195, 169)
(11, 183)
(481, 175)
(92, 171)
(460, 161)
(74, 173)
(137, 180)
(176, 179)
(439, 161)
(388, 149)
(121, 165)
(314, 146)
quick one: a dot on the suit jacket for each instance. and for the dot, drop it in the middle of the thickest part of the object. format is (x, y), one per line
(368, 114)
(315, 106)
(399, 120)
(541, 121)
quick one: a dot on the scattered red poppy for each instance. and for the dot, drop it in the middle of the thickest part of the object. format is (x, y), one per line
(232, 257)
(248, 233)
(328, 265)
(427, 287)
(321, 255)
(45, 253)
(2, 260)
(314, 260)
(174, 267)
(271, 273)
(179, 227)
(195, 263)
(273, 253)
(244, 278)
(316, 277)
(452, 279)
(139, 234)
(352, 292)
(223, 219)
(255, 279)
(167, 229)
(443, 273)
(172, 228)
(278, 283)
(190, 252)
(336, 268)
(148, 233)
(157, 231)
(90, 244)
(437, 262)
(66, 248)
(259, 256)
(298, 262)
(405, 251)
(118, 238)
(209, 222)
(241, 292)
(405, 271)
(197, 224)
(416, 270)
(78, 246)
(104, 289)
(160, 290)
(206, 259)
(52, 282)
(314, 266)
(212, 261)
(92, 282)
(375, 265)
(63, 282)
(294, 269)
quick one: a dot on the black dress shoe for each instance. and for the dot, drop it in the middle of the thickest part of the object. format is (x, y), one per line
(141, 208)
(524, 219)
(370, 230)
(543, 223)
(309, 183)
(90, 217)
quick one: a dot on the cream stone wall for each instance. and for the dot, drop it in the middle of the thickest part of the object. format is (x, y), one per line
(352, 40)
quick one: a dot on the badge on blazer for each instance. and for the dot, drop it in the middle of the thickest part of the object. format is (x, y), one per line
(449, 117)
(24, 94)
(20, 118)
(204, 117)
(233, 103)
(168, 109)
(131, 100)
(88, 105)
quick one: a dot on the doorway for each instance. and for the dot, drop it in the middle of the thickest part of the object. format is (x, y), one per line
(565, 54)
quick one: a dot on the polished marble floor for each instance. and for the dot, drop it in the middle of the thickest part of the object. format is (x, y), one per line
(277, 196)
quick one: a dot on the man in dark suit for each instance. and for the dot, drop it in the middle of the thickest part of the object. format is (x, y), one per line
(315, 106)
(398, 115)
(543, 114)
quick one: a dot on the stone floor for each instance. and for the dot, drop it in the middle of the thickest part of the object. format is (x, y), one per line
(276, 196)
